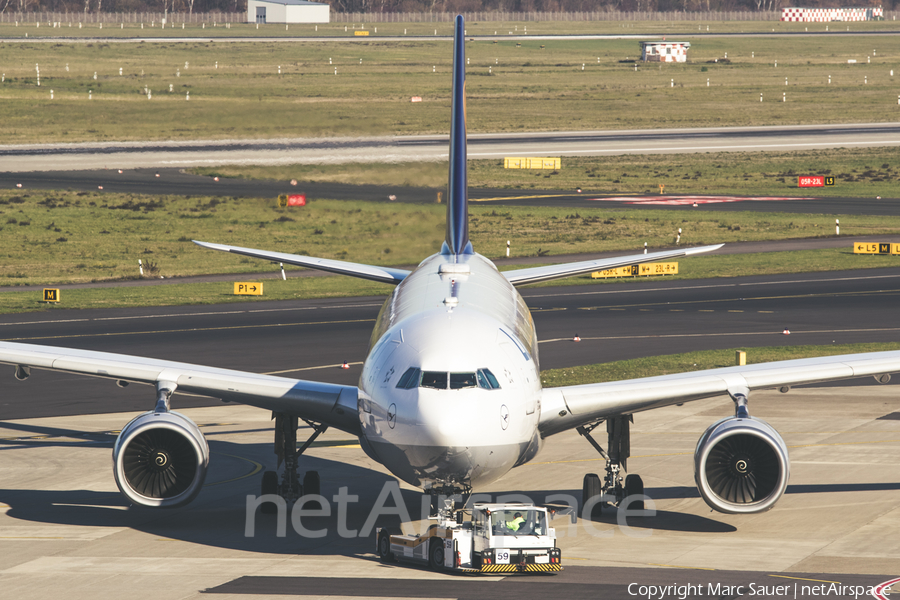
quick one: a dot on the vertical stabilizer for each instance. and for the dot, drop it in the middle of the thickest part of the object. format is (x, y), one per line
(457, 240)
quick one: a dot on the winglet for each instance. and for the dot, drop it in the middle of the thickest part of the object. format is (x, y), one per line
(457, 240)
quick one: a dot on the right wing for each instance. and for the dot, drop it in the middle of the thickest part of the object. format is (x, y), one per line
(333, 405)
(546, 273)
(373, 273)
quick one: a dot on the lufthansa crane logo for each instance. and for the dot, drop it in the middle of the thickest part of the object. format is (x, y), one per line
(392, 415)
(504, 417)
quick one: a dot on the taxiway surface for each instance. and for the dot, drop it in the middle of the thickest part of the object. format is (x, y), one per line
(310, 339)
(66, 532)
(173, 181)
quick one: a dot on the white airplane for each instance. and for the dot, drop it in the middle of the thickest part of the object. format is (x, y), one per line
(450, 395)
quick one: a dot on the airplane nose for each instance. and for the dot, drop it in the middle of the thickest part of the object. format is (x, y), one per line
(452, 425)
(446, 418)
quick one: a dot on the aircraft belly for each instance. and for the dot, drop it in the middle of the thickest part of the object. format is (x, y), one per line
(426, 466)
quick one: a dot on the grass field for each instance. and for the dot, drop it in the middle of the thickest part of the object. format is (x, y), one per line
(58, 237)
(858, 172)
(235, 89)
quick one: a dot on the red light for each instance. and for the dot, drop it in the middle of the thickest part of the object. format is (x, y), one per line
(487, 561)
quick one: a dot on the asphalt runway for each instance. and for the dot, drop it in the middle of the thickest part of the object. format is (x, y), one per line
(173, 181)
(163, 154)
(311, 339)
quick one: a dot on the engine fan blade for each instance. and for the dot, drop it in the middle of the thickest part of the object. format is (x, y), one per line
(159, 463)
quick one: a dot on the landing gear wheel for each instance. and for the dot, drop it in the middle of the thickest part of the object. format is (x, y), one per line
(311, 484)
(634, 486)
(312, 487)
(269, 483)
(269, 486)
(590, 493)
(384, 544)
(436, 554)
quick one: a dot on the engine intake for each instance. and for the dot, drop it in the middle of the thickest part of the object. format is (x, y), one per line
(160, 460)
(741, 465)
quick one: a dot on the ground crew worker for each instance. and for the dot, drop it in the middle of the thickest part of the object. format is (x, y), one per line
(516, 522)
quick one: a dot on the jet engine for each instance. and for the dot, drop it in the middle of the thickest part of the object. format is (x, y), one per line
(741, 465)
(160, 460)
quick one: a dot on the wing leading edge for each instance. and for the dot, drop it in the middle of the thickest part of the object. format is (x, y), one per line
(549, 272)
(564, 408)
(334, 405)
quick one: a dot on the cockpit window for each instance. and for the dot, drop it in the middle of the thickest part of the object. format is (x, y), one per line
(438, 380)
(409, 379)
(459, 381)
(434, 379)
(487, 380)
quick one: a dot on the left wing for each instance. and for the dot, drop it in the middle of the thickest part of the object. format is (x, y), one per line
(564, 408)
(334, 405)
(373, 273)
(546, 273)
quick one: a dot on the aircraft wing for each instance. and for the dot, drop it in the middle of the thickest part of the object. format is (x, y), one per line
(382, 274)
(334, 405)
(564, 408)
(546, 273)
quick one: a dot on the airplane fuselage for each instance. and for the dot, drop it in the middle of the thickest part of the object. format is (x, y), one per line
(450, 390)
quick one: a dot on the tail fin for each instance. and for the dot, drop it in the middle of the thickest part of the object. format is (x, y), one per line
(457, 240)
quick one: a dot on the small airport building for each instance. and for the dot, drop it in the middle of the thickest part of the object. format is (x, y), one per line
(287, 11)
(664, 51)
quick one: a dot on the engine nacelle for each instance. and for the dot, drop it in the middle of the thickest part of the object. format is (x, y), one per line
(160, 460)
(741, 465)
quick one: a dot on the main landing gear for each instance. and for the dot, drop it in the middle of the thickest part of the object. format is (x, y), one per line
(613, 490)
(289, 486)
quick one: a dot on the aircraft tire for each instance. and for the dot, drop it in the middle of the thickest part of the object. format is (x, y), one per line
(591, 488)
(634, 486)
(269, 486)
(311, 483)
(312, 487)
